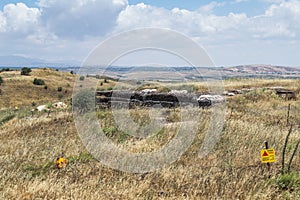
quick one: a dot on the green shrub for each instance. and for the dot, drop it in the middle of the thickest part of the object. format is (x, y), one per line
(110, 131)
(1, 80)
(81, 78)
(288, 181)
(5, 70)
(25, 71)
(45, 87)
(37, 81)
(49, 105)
(6, 119)
(59, 89)
(97, 76)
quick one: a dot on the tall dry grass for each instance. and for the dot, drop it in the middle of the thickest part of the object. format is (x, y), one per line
(30, 145)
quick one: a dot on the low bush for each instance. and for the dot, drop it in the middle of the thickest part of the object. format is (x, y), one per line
(288, 181)
(25, 71)
(37, 81)
(4, 70)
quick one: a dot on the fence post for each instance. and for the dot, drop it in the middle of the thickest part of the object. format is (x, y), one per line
(288, 115)
(268, 164)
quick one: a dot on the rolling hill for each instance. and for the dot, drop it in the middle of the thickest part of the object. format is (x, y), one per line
(18, 90)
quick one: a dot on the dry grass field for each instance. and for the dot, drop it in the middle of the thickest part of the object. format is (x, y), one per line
(29, 146)
(19, 90)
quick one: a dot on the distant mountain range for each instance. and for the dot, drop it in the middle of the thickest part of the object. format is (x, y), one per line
(159, 73)
(262, 69)
(21, 61)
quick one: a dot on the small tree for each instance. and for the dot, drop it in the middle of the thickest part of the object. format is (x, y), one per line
(25, 71)
(38, 81)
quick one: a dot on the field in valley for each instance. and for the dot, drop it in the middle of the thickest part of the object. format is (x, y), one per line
(30, 142)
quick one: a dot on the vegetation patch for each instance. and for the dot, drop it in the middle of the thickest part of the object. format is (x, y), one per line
(25, 71)
(37, 81)
(6, 119)
(289, 181)
(33, 171)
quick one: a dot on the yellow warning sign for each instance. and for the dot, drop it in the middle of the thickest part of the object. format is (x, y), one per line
(267, 155)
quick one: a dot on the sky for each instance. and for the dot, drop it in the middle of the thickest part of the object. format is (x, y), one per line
(232, 32)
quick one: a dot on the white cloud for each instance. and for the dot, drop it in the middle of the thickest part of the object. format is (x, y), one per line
(209, 8)
(71, 28)
(278, 21)
(78, 18)
(274, 1)
(142, 15)
(192, 23)
(19, 18)
(238, 1)
(2, 23)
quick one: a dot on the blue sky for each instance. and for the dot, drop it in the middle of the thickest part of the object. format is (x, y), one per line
(31, 3)
(232, 32)
(251, 7)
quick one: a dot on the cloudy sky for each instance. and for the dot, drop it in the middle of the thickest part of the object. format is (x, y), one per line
(232, 32)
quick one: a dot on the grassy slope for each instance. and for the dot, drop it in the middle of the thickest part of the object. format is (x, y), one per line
(19, 90)
(29, 146)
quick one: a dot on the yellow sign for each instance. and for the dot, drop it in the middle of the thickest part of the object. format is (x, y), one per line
(61, 163)
(267, 155)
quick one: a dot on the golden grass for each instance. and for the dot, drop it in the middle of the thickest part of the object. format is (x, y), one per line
(19, 90)
(29, 148)
(260, 83)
